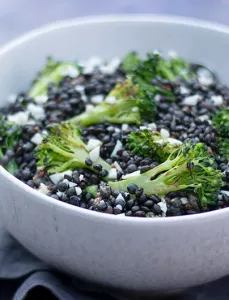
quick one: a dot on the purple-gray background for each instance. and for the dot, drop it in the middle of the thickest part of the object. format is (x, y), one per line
(19, 16)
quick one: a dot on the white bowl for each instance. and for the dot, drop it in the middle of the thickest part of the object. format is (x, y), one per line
(141, 255)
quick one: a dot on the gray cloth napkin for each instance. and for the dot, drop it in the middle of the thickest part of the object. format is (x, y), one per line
(23, 276)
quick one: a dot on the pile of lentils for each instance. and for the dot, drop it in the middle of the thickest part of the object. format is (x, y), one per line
(188, 117)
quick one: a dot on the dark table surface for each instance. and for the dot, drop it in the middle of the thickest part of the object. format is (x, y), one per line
(19, 16)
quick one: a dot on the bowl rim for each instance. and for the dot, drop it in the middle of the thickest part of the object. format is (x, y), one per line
(99, 19)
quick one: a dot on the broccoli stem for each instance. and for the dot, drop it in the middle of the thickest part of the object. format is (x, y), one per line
(145, 180)
(161, 185)
(74, 162)
(107, 113)
(92, 189)
(40, 87)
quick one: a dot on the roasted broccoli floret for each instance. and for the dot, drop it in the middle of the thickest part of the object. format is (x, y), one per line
(130, 61)
(53, 72)
(221, 121)
(9, 135)
(126, 103)
(223, 146)
(189, 168)
(63, 149)
(148, 143)
(156, 66)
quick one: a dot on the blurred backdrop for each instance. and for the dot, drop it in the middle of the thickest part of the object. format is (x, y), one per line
(18, 16)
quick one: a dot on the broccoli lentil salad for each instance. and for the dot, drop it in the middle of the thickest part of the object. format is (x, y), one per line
(143, 137)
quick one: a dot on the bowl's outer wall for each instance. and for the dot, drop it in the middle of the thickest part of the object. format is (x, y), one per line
(134, 254)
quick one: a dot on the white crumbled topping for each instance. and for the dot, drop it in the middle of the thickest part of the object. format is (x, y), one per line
(94, 154)
(164, 133)
(205, 80)
(143, 127)
(88, 69)
(20, 118)
(204, 77)
(184, 200)
(97, 99)
(110, 100)
(217, 100)
(111, 67)
(225, 192)
(161, 141)
(31, 122)
(84, 98)
(36, 111)
(78, 190)
(157, 98)
(58, 176)
(184, 90)
(93, 143)
(112, 173)
(94, 61)
(59, 193)
(163, 206)
(192, 100)
(43, 189)
(119, 206)
(81, 177)
(79, 88)
(118, 167)
(40, 168)
(44, 132)
(70, 71)
(174, 141)
(118, 146)
(203, 117)
(72, 184)
(12, 98)
(41, 99)
(37, 138)
(220, 197)
(115, 62)
(91, 64)
(125, 126)
(134, 109)
(172, 54)
(89, 107)
(130, 175)
(152, 126)
(120, 197)
(66, 181)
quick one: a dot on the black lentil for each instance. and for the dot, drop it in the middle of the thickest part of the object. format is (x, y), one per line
(181, 121)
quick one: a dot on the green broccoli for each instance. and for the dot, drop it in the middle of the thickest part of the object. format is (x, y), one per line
(9, 135)
(221, 121)
(155, 66)
(148, 143)
(53, 72)
(126, 103)
(188, 168)
(223, 146)
(130, 61)
(63, 149)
